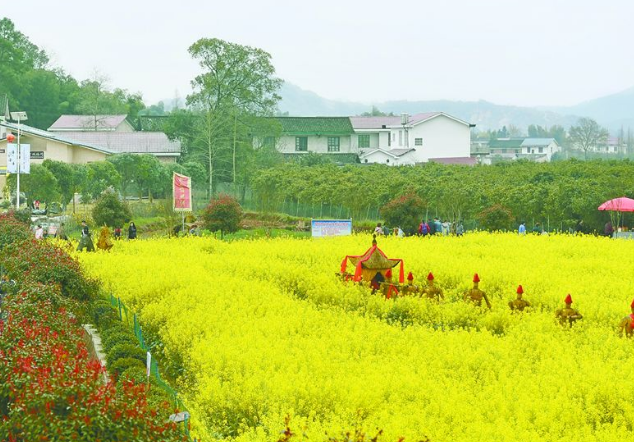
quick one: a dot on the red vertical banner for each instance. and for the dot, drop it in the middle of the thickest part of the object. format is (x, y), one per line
(182, 191)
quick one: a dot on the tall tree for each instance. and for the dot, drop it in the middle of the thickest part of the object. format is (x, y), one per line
(237, 81)
(587, 135)
(127, 165)
(97, 100)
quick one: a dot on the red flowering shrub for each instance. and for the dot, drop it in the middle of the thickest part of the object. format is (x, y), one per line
(12, 230)
(50, 389)
(41, 262)
(405, 211)
(223, 213)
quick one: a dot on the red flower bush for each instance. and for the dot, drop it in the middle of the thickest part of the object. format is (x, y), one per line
(50, 389)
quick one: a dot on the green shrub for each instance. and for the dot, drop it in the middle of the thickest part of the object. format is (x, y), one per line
(119, 338)
(103, 314)
(111, 212)
(124, 364)
(124, 351)
(496, 217)
(115, 327)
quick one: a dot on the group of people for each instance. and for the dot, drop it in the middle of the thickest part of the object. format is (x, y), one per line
(437, 227)
(433, 227)
(85, 241)
(537, 229)
(384, 230)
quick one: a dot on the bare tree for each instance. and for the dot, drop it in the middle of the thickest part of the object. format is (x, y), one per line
(587, 135)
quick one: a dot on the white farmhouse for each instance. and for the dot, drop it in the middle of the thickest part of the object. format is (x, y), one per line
(424, 137)
(541, 149)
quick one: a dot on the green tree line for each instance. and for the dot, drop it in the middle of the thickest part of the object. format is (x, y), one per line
(556, 194)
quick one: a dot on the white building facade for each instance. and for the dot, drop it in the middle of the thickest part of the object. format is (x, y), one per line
(416, 139)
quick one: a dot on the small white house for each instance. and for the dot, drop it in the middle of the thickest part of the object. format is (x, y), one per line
(542, 148)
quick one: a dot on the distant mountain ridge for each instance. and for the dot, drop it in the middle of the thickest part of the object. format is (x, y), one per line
(611, 111)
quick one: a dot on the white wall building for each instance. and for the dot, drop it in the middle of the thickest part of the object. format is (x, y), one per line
(409, 140)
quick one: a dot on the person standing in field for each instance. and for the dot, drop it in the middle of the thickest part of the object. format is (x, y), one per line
(522, 229)
(85, 242)
(132, 231)
(608, 230)
(568, 315)
(519, 304)
(626, 326)
(445, 228)
(437, 226)
(476, 295)
(61, 232)
(459, 229)
(39, 232)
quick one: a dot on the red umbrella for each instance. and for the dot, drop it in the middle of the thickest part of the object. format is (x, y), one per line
(622, 204)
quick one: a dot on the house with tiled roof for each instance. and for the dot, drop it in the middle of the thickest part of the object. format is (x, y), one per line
(612, 145)
(114, 133)
(91, 123)
(419, 138)
(49, 146)
(323, 135)
(534, 149)
(391, 140)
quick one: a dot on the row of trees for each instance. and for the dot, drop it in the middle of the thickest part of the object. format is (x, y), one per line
(55, 181)
(555, 194)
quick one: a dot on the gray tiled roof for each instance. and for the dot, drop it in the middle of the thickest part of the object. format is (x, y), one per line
(537, 142)
(87, 122)
(127, 142)
(61, 137)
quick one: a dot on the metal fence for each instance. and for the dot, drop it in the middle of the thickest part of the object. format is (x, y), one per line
(130, 318)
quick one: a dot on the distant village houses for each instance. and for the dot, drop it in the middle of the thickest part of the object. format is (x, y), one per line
(81, 139)
(539, 150)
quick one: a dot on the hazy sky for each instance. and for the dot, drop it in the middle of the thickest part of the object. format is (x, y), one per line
(537, 52)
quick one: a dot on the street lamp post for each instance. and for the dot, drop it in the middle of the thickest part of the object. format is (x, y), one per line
(18, 116)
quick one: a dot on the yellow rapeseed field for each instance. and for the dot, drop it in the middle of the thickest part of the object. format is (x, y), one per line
(265, 329)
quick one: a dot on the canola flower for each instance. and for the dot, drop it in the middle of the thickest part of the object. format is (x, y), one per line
(265, 329)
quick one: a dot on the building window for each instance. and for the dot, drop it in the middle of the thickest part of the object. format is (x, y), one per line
(333, 144)
(301, 144)
(418, 141)
(541, 150)
(268, 142)
(400, 137)
(364, 140)
(389, 140)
